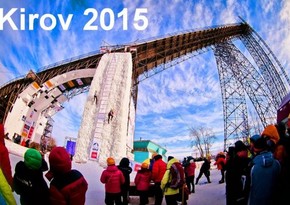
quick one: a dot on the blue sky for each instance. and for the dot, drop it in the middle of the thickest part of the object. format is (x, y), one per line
(187, 95)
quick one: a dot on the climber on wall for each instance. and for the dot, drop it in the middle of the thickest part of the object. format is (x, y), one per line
(110, 116)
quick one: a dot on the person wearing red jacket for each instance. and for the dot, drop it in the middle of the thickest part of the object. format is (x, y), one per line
(189, 171)
(6, 181)
(142, 182)
(113, 178)
(4, 158)
(67, 186)
(158, 170)
(221, 164)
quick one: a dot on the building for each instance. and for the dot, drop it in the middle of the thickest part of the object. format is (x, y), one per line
(284, 109)
(143, 149)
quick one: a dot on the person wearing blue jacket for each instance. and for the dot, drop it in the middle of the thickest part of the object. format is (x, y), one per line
(264, 174)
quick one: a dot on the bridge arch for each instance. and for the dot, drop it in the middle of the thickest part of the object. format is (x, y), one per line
(36, 104)
(154, 56)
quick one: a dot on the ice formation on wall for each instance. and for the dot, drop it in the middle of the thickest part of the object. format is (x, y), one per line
(112, 87)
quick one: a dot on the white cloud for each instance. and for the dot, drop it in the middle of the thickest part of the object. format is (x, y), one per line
(5, 74)
(185, 95)
(267, 5)
(284, 31)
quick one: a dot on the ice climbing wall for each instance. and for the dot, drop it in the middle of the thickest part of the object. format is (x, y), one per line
(99, 138)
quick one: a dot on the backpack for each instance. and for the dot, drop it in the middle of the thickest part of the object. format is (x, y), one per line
(177, 176)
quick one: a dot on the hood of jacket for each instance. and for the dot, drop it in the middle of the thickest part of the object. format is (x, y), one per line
(126, 170)
(264, 159)
(173, 160)
(112, 168)
(125, 162)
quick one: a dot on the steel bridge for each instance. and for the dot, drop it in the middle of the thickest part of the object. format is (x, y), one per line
(265, 83)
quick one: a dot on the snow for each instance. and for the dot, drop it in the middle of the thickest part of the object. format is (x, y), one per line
(213, 193)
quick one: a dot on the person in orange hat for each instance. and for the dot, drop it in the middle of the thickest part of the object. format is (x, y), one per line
(142, 182)
(113, 178)
(271, 134)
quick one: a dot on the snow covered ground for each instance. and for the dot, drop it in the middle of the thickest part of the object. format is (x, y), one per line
(213, 193)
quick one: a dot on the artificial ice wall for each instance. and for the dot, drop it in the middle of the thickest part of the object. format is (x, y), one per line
(99, 138)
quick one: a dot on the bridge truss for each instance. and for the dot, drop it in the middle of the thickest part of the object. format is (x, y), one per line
(264, 83)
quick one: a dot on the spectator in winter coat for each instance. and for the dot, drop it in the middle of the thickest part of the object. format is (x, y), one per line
(189, 175)
(126, 170)
(67, 186)
(158, 170)
(4, 158)
(171, 194)
(205, 167)
(220, 162)
(6, 195)
(282, 154)
(6, 181)
(152, 161)
(113, 178)
(142, 182)
(264, 175)
(272, 136)
(237, 174)
(28, 180)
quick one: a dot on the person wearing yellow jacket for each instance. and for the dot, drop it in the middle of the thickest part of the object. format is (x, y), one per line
(6, 191)
(171, 194)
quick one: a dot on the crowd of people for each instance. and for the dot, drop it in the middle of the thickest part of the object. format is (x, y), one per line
(259, 173)
(254, 172)
(155, 174)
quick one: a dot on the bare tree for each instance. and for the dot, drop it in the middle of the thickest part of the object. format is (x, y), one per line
(202, 138)
(51, 143)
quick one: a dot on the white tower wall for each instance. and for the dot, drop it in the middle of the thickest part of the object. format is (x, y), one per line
(97, 138)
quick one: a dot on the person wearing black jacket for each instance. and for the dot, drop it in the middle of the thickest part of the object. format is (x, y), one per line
(237, 174)
(126, 170)
(205, 169)
(28, 180)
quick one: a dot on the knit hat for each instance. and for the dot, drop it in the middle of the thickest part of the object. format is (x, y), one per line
(110, 161)
(158, 156)
(240, 146)
(231, 151)
(59, 160)
(125, 162)
(32, 159)
(144, 165)
(271, 132)
(259, 141)
(254, 138)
